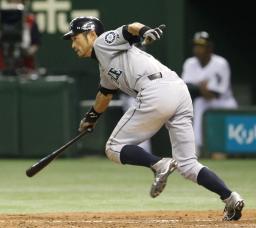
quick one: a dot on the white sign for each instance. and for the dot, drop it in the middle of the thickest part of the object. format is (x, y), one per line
(53, 16)
(242, 134)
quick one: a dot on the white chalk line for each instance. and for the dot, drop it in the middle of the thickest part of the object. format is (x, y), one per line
(127, 221)
(147, 221)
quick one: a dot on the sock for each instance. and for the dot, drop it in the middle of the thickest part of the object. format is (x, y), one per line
(135, 155)
(212, 182)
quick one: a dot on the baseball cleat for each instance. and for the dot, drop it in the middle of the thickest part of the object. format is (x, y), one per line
(162, 169)
(234, 207)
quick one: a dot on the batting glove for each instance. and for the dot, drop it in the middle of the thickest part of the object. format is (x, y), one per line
(88, 122)
(150, 35)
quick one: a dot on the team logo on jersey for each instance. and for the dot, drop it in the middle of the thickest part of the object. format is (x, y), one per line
(110, 37)
(114, 74)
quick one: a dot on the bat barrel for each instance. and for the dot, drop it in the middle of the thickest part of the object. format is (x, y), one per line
(34, 169)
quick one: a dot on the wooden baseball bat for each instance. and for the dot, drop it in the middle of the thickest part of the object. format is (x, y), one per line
(34, 169)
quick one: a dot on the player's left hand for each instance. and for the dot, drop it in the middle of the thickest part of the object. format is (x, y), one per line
(152, 35)
(89, 121)
(86, 126)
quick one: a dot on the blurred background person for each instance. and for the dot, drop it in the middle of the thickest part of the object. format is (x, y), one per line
(209, 81)
(19, 57)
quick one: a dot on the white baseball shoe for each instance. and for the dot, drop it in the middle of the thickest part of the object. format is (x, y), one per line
(162, 169)
(234, 207)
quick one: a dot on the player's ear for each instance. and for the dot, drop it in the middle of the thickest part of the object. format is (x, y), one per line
(211, 46)
(92, 35)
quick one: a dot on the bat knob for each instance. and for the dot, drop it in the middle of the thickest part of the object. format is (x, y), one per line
(89, 130)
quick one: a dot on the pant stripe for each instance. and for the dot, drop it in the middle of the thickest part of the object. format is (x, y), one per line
(125, 123)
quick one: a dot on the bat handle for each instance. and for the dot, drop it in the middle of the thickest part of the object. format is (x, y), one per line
(89, 130)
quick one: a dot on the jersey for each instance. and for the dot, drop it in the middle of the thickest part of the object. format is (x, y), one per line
(122, 65)
(216, 72)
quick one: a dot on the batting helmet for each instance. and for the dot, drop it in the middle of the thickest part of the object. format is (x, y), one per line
(84, 24)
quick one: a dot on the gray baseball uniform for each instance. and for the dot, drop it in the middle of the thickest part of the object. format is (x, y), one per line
(161, 98)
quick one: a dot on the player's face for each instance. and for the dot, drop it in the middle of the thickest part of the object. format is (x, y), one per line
(82, 45)
(201, 52)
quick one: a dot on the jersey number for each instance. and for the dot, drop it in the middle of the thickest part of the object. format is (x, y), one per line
(114, 74)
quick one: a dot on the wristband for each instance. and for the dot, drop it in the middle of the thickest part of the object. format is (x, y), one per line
(143, 30)
(92, 116)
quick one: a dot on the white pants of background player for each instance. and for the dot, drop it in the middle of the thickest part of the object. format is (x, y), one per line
(200, 106)
(161, 102)
(128, 102)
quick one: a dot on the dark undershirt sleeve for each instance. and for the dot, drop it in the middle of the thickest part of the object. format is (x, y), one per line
(195, 91)
(129, 37)
(106, 91)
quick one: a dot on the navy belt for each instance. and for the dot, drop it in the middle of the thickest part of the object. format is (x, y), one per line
(155, 76)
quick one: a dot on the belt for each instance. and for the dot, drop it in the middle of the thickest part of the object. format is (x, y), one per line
(141, 82)
(155, 76)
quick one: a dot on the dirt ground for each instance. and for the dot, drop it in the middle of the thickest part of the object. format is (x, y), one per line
(126, 219)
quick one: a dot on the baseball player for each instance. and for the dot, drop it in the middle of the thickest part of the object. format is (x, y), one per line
(161, 98)
(208, 79)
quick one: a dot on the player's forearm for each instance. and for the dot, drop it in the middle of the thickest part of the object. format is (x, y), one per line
(91, 117)
(209, 95)
(102, 102)
(135, 28)
(205, 92)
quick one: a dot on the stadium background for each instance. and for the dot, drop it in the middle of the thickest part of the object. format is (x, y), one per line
(39, 116)
(58, 104)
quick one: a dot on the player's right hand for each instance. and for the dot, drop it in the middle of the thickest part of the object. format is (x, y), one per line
(153, 34)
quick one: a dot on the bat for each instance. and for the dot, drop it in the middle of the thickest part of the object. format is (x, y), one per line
(34, 169)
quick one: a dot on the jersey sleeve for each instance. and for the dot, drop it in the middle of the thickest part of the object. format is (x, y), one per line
(111, 42)
(220, 81)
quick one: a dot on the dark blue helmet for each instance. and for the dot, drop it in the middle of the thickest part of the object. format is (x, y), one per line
(84, 24)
